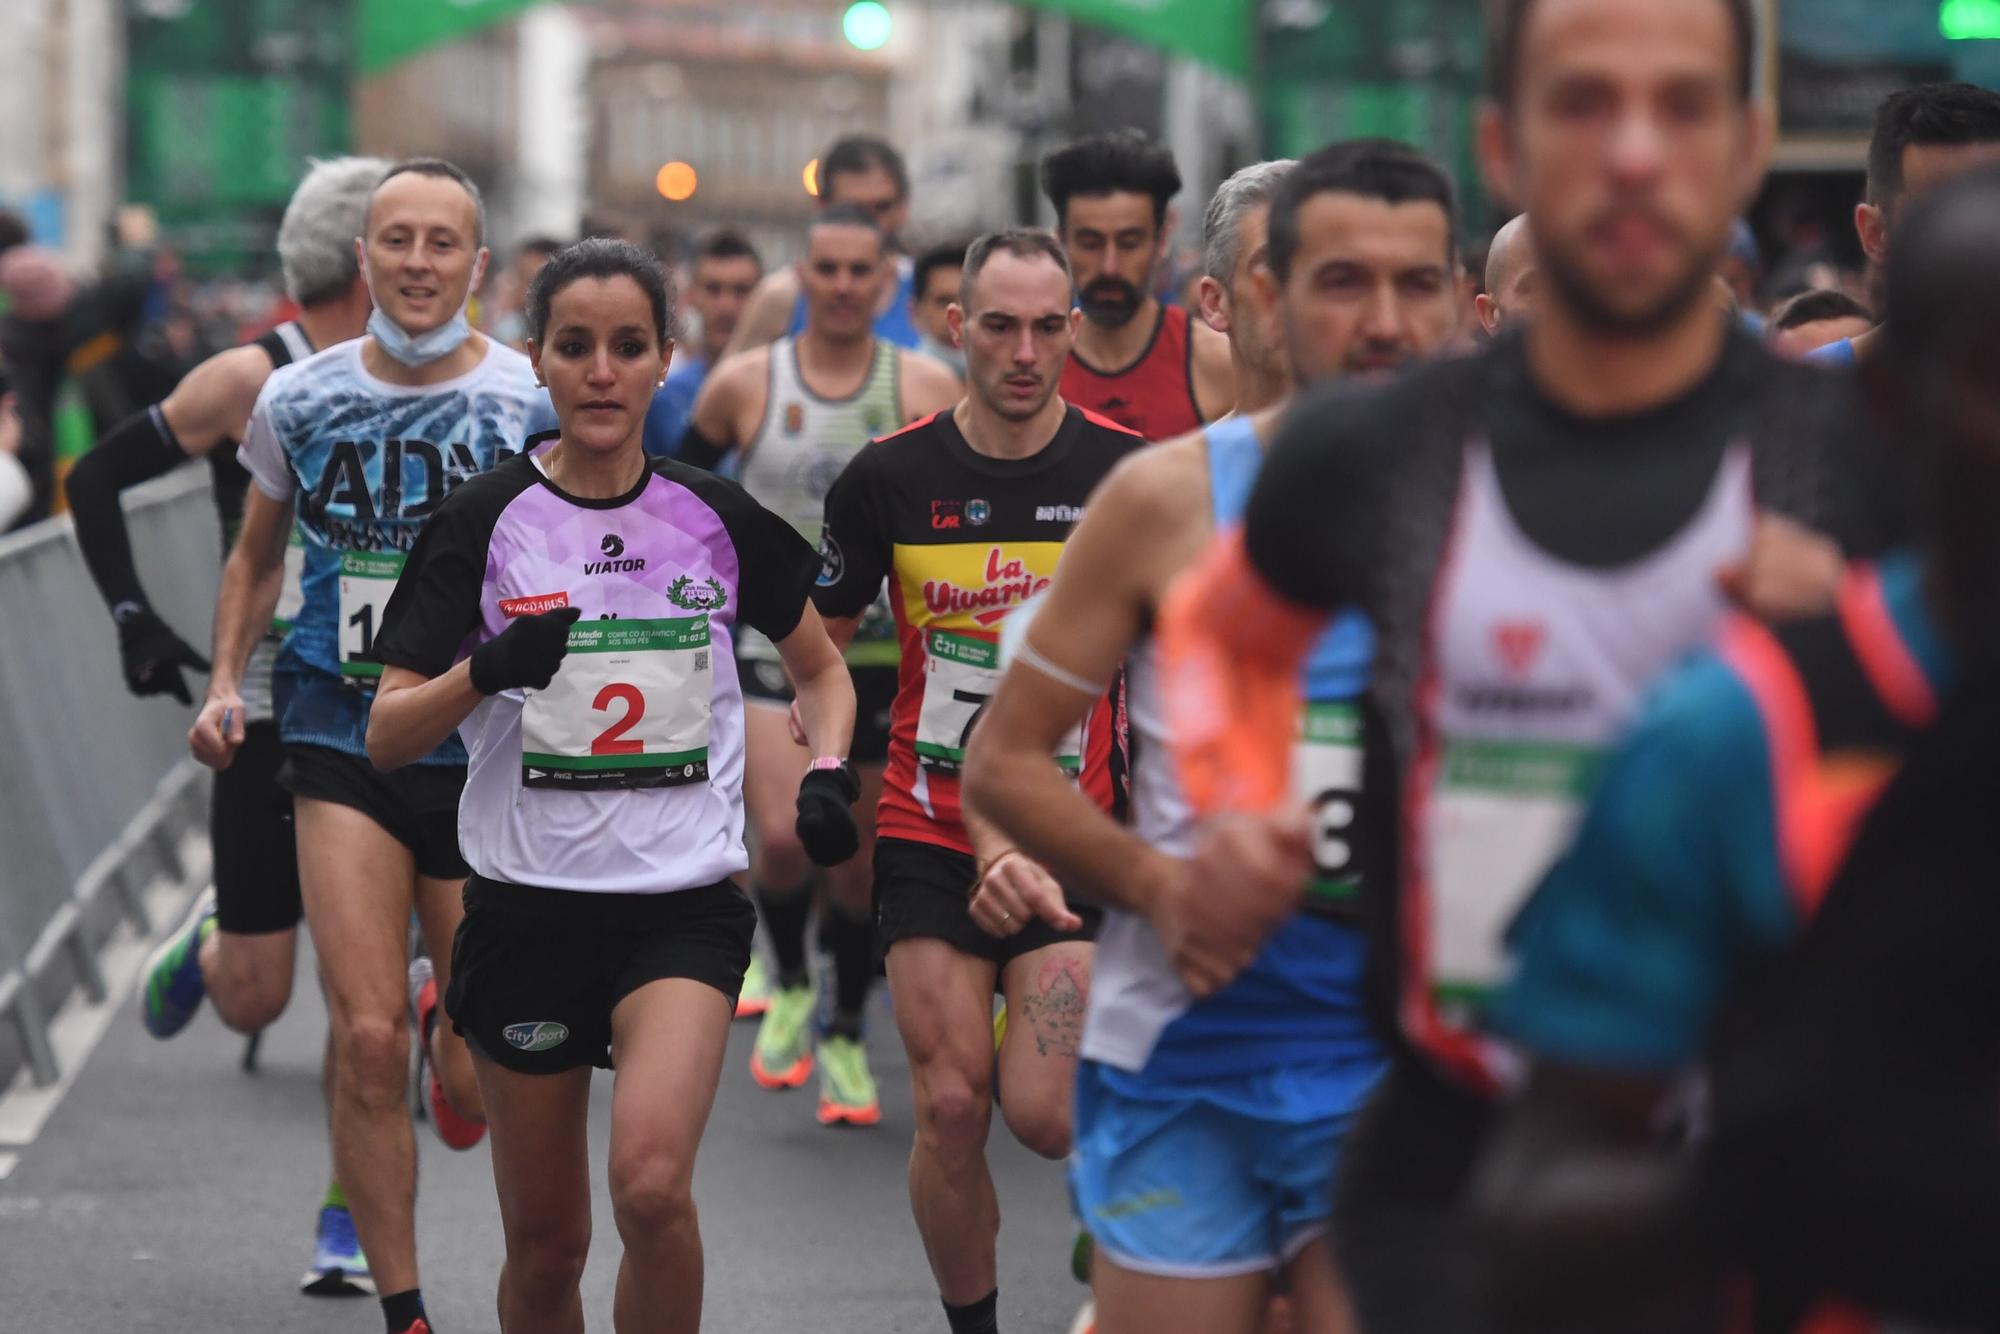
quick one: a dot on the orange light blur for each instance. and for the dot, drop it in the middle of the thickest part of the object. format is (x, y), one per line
(676, 181)
(812, 178)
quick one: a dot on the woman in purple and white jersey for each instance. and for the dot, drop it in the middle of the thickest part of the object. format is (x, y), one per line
(564, 612)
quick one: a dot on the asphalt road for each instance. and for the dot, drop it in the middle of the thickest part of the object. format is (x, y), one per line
(171, 1192)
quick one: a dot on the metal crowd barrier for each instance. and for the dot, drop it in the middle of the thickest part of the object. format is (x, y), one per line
(96, 787)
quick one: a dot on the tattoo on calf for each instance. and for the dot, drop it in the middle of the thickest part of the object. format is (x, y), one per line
(1055, 1013)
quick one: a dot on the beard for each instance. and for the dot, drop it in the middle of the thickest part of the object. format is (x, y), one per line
(1112, 302)
(1590, 307)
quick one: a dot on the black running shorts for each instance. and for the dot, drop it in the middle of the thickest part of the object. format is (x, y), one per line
(536, 973)
(765, 682)
(925, 891)
(417, 805)
(250, 828)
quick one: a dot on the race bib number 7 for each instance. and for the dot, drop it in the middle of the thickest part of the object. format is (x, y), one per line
(961, 672)
(367, 578)
(628, 709)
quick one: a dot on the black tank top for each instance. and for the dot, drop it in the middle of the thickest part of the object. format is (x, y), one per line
(283, 345)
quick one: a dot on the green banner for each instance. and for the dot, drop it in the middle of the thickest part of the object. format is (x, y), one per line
(1215, 32)
(394, 30)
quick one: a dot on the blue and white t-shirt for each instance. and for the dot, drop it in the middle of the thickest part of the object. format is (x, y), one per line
(368, 463)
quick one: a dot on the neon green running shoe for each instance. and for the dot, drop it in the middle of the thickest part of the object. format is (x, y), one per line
(846, 1089)
(755, 997)
(173, 988)
(783, 1056)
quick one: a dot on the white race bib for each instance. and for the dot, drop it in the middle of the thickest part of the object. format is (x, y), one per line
(367, 578)
(1501, 813)
(291, 595)
(961, 672)
(1326, 775)
(628, 709)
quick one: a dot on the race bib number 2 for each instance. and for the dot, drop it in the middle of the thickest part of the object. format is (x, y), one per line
(961, 672)
(629, 709)
(367, 578)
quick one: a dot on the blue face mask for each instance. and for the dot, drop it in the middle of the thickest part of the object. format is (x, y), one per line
(419, 349)
(422, 349)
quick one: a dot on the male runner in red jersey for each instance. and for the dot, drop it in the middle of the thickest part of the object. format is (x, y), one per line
(1147, 366)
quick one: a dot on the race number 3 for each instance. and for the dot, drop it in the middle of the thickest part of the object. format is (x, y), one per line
(1326, 775)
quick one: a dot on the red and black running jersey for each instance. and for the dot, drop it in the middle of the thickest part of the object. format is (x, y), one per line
(1155, 394)
(964, 540)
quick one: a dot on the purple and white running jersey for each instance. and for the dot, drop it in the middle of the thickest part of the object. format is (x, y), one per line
(626, 774)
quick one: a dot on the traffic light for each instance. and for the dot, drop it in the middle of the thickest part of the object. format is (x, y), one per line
(1969, 20)
(866, 25)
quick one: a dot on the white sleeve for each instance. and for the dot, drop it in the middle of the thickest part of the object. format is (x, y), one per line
(16, 491)
(261, 455)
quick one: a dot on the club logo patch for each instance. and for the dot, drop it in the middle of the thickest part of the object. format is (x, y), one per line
(542, 1036)
(709, 595)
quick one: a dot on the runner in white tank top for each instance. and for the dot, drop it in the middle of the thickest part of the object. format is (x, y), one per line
(786, 418)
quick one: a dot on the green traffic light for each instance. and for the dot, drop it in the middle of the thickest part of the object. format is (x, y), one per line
(1969, 20)
(866, 25)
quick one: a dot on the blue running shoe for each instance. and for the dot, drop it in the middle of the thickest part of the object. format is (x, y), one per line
(173, 986)
(339, 1268)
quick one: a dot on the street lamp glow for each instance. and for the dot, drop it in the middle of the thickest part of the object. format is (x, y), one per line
(676, 181)
(1969, 20)
(866, 25)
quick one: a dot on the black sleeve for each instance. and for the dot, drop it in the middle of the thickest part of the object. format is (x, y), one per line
(856, 546)
(1311, 523)
(436, 602)
(136, 450)
(775, 566)
(698, 451)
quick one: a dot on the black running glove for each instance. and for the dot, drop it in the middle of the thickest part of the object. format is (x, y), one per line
(526, 654)
(826, 816)
(154, 655)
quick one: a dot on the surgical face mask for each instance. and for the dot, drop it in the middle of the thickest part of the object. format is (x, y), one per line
(421, 349)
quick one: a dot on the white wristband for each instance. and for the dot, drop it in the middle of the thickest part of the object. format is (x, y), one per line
(1027, 653)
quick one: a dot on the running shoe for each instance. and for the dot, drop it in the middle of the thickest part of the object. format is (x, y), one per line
(458, 1132)
(1086, 1320)
(417, 1326)
(339, 1269)
(174, 988)
(755, 998)
(846, 1089)
(782, 1058)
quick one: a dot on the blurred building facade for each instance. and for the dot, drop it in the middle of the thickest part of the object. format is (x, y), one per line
(205, 110)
